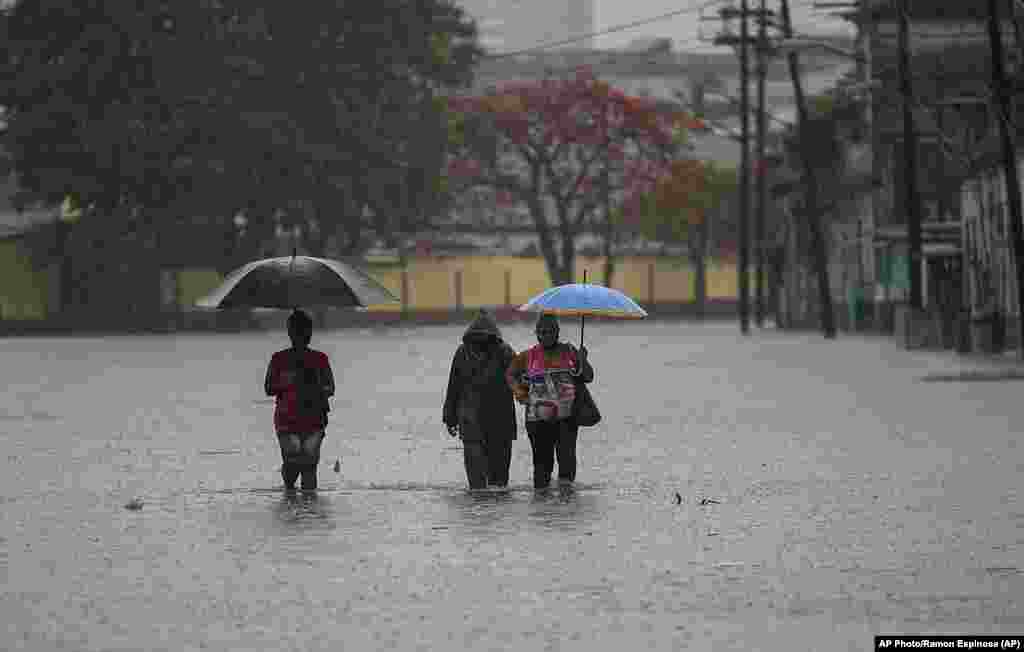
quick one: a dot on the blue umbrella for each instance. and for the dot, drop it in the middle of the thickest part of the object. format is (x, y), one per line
(582, 300)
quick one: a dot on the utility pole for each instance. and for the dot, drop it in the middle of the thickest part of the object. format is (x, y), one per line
(762, 186)
(761, 49)
(811, 208)
(744, 225)
(912, 204)
(1001, 90)
(743, 246)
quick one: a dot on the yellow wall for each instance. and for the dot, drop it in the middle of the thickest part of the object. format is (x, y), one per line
(23, 291)
(432, 280)
(194, 283)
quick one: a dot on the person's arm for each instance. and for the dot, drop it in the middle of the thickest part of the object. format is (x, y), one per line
(515, 369)
(269, 381)
(449, 414)
(583, 370)
(328, 378)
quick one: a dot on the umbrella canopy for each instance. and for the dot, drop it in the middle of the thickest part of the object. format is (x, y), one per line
(293, 281)
(584, 299)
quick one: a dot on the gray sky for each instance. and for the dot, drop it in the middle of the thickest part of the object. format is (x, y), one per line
(683, 29)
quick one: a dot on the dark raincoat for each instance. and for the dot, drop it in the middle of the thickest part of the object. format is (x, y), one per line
(478, 398)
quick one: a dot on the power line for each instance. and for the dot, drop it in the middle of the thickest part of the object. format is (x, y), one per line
(568, 67)
(618, 28)
(611, 30)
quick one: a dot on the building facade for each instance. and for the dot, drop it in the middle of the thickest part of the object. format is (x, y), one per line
(509, 25)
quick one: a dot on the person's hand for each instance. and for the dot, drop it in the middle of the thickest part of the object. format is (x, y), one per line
(582, 355)
(453, 429)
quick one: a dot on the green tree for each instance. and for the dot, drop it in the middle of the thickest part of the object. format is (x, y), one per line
(686, 204)
(165, 120)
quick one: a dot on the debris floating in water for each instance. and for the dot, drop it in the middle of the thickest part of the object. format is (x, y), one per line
(709, 501)
(337, 466)
(135, 504)
(679, 499)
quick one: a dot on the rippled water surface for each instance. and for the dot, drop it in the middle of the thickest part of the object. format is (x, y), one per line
(847, 499)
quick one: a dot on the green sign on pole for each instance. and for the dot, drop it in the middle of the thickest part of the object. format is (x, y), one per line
(894, 271)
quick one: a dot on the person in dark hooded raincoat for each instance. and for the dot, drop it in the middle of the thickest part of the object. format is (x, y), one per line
(478, 405)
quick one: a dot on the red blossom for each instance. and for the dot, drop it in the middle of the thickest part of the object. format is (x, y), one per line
(580, 112)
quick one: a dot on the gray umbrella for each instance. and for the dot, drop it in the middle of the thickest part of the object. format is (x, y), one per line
(294, 281)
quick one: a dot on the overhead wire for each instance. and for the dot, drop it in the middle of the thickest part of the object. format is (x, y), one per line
(540, 47)
(706, 4)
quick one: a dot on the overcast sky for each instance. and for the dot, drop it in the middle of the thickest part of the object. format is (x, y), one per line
(683, 29)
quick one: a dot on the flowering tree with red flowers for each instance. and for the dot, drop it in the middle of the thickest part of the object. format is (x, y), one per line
(563, 148)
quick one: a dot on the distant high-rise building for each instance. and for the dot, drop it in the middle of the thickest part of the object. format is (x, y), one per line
(507, 25)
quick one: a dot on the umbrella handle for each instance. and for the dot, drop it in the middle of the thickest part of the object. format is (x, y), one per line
(291, 274)
(583, 318)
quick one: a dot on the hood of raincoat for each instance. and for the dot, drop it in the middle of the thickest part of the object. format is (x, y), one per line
(483, 324)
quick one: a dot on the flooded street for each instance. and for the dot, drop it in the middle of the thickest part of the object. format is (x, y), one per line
(848, 498)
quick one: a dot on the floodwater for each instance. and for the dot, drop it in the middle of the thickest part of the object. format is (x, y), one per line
(845, 497)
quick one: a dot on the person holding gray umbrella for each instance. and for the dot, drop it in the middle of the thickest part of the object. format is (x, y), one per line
(301, 380)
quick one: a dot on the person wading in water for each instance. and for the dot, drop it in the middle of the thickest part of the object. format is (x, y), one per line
(478, 405)
(542, 379)
(301, 379)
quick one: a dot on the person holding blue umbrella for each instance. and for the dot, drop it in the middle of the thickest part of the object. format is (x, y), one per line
(542, 379)
(556, 375)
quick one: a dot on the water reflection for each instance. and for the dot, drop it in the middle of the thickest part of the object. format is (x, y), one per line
(483, 511)
(504, 511)
(298, 511)
(566, 508)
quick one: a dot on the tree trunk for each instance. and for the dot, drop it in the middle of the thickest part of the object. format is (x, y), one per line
(698, 251)
(776, 283)
(609, 240)
(568, 271)
(820, 246)
(556, 271)
(317, 238)
(794, 264)
(259, 230)
(810, 209)
(318, 247)
(609, 262)
(348, 231)
(65, 261)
